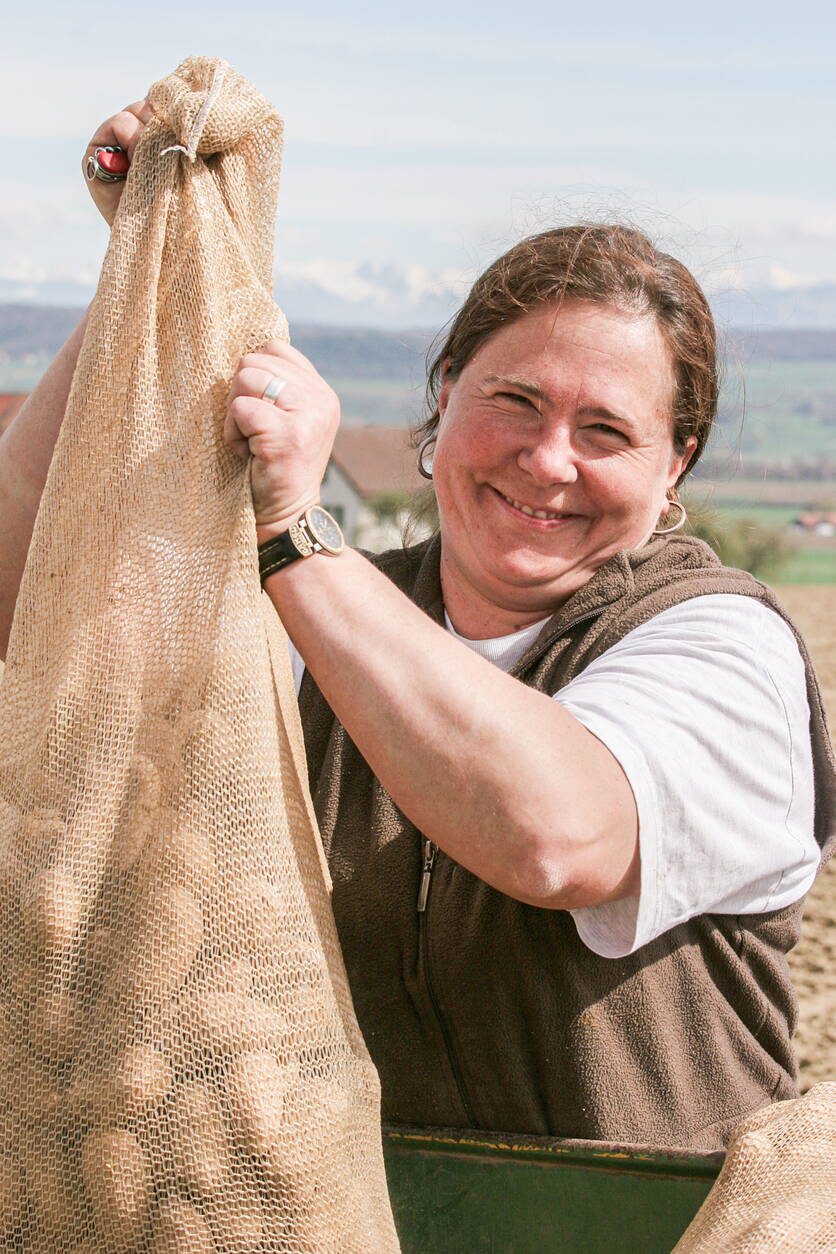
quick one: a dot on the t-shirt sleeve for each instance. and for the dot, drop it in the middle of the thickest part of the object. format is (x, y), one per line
(705, 709)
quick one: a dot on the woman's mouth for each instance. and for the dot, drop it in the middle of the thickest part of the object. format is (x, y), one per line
(532, 511)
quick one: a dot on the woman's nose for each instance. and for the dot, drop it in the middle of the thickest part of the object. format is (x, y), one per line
(552, 459)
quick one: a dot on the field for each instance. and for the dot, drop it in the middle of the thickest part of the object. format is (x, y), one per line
(773, 503)
(750, 494)
(813, 962)
(778, 408)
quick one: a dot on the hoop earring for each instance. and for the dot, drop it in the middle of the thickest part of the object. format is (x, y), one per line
(680, 522)
(422, 449)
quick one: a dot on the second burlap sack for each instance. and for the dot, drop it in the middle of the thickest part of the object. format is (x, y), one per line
(182, 1071)
(776, 1193)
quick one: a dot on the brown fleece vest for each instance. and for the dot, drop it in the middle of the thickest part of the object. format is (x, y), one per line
(486, 1013)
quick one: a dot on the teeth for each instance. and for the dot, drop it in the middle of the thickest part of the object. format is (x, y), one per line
(526, 509)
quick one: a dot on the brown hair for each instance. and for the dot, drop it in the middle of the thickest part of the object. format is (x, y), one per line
(613, 265)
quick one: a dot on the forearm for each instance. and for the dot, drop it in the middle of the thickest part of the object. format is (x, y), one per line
(26, 450)
(503, 779)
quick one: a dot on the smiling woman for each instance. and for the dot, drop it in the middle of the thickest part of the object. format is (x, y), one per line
(564, 901)
(544, 473)
(572, 774)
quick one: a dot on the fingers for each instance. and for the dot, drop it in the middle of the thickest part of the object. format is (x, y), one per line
(285, 351)
(255, 426)
(289, 438)
(141, 109)
(248, 418)
(306, 410)
(124, 128)
(250, 381)
(291, 366)
(129, 125)
(233, 436)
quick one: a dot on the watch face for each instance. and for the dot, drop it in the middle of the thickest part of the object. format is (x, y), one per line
(324, 529)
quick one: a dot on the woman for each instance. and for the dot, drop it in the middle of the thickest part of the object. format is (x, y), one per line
(563, 765)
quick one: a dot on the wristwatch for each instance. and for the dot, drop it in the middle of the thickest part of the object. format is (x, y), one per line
(315, 532)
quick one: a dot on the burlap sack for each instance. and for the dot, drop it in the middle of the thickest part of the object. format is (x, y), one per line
(776, 1193)
(181, 1065)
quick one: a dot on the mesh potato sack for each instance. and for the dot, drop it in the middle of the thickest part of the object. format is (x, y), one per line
(776, 1193)
(182, 1068)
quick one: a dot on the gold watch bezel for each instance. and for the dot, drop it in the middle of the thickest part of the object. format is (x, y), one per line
(310, 527)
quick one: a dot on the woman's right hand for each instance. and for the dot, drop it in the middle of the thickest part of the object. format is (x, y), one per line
(122, 130)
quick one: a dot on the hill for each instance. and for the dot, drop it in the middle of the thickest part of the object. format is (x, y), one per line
(383, 294)
(777, 410)
(28, 332)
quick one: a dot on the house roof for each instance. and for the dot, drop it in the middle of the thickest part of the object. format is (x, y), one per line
(377, 459)
(10, 403)
(812, 517)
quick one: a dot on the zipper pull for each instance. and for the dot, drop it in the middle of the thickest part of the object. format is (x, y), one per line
(430, 850)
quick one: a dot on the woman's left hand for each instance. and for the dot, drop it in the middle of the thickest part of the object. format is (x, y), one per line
(289, 438)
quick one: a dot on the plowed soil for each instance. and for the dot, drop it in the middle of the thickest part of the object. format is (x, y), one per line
(813, 962)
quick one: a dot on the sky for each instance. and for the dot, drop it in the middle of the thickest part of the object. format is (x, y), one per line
(422, 141)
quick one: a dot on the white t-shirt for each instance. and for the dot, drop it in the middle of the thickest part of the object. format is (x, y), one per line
(705, 709)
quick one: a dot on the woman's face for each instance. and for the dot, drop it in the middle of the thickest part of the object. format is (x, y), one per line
(554, 452)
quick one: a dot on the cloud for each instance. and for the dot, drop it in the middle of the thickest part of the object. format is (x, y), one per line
(782, 279)
(375, 283)
(427, 140)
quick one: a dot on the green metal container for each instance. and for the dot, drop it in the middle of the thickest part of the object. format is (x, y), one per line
(474, 1193)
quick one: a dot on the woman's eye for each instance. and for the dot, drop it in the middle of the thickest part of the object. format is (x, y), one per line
(517, 397)
(603, 426)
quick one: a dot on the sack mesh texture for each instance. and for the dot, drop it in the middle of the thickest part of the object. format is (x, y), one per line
(182, 1071)
(776, 1193)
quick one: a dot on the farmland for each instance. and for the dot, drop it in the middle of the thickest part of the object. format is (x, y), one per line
(813, 962)
(806, 559)
(779, 409)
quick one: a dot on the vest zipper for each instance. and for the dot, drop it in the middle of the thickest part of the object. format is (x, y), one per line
(573, 622)
(430, 851)
(521, 664)
(429, 856)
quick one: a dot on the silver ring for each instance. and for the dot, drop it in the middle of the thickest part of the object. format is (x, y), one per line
(274, 387)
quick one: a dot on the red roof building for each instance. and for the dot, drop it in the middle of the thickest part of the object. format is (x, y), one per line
(369, 462)
(377, 459)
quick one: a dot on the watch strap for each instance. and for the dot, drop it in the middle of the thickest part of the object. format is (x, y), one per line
(279, 552)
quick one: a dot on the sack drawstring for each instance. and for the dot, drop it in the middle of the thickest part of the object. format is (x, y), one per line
(200, 121)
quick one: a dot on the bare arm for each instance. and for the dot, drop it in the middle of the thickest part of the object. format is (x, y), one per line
(502, 778)
(26, 449)
(27, 446)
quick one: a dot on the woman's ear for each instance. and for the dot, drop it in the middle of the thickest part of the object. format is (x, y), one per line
(679, 461)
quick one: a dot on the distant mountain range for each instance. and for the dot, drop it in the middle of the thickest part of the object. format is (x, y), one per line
(389, 297)
(35, 332)
(386, 297)
(775, 308)
(32, 332)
